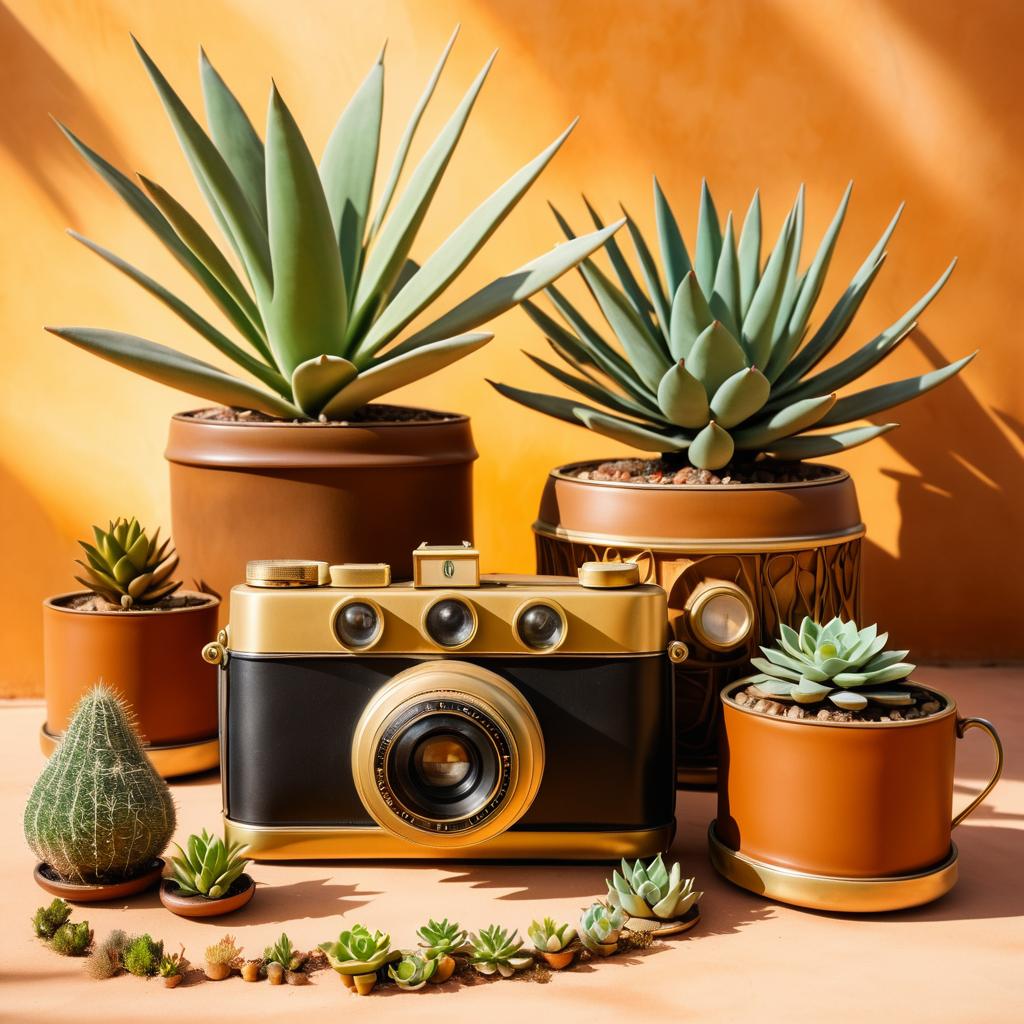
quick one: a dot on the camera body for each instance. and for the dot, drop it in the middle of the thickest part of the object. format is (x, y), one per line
(452, 716)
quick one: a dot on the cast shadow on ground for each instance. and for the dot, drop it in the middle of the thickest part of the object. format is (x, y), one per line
(299, 901)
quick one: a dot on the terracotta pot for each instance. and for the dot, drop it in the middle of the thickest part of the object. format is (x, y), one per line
(561, 959)
(173, 980)
(443, 971)
(365, 492)
(152, 659)
(217, 972)
(296, 977)
(363, 984)
(844, 800)
(790, 549)
(74, 892)
(250, 970)
(275, 973)
(200, 906)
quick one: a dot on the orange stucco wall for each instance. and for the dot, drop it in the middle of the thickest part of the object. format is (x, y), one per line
(912, 99)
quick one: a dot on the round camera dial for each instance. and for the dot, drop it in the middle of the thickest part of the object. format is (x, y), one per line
(540, 625)
(358, 623)
(450, 622)
(720, 615)
(609, 575)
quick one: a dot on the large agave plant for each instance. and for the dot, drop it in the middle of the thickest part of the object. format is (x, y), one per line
(327, 282)
(718, 359)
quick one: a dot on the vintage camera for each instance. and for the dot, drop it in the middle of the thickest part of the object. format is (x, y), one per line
(452, 716)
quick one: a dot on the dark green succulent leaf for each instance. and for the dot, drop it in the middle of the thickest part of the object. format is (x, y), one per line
(563, 409)
(792, 273)
(740, 396)
(175, 369)
(791, 419)
(715, 356)
(749, 254)
(725, 295)
(814, 446)
(682, 398)
(709, 240)
(306, 315)
(235, 137)
(632, 434)
(674, 256)
(649, 269)
(759, 322)
(319, 379)
(712, 448)
(691, 315)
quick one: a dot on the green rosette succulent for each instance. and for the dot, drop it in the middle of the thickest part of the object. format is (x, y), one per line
(495, 951)
(652, 891)
(600, 927)
(548, 936)
(441, 938)
(413, 971)
(357, 951)
(208, 866)
(127, 567)
(837, 661)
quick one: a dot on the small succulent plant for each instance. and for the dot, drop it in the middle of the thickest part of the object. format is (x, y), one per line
(837, 661)
(73, 938)
(548, 936)
(284, 953)
(225, 951)
(442, 938)
(173, 964)
(357, 951)
(717, 356)
(494, 950)
(142, 956)
(46, 920)
(126, 567)
(600, 927)
(208, 866)
(652, 891)
(99, 813)
(413, 971)
(105, 961)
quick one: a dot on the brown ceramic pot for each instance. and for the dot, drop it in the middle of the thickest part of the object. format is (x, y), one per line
(791, 549)
(841, 800)
(362, 492)
(152, 659)
(200, 906)
(84, 892)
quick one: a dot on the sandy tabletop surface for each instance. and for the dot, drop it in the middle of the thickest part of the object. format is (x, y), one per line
(960, 959)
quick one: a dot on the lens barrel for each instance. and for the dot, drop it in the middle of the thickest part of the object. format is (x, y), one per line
(450, 622)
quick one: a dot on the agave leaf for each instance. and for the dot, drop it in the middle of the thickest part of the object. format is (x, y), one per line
(390, 247)
(709, 240)
(306, 316)
(777, 671)
(712, 448)
(764, 306)
(715, 356)
(799, 665)
(592, 390)
(201, 326)
(319, 379)
(892, 698)
(347, 169)
(633, 434)
(682, 398)
(220, 187)
(792, 275)
(807, 691)
(690, 316)
(175, 369)
(449, 259)
(884, 660)
(808, 635)
(866, 403)
(892, 674)
(235, 137)
(790, 641)
(673, 250)
(740, 396)
(410, 131)
(787, 421)
(848, 701)
(395, 371)
(509, 290)
(652, 278)
(725, 295)
(814, 446)
(658, 873)
(748, 254)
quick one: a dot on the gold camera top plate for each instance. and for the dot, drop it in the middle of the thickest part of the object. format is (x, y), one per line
(437, 565)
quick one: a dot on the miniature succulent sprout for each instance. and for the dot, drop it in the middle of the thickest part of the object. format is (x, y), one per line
(173, 964)
(126, 567)
(208, 866)
(717, 355)
(142, 956)
(548, 936)
(652, 891)
(328, 284)
(99, 812)
(224, 952)
(413, 971)
(837, 661)
(73, 938)
(441, 939)
(105, 961)
(357, 951)
(46, 920)
(494, 950)
(600, 927)
(284, 953)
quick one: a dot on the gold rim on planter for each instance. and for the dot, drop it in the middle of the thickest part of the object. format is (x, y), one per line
(825, 892)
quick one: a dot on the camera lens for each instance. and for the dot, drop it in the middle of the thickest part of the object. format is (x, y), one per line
(541, 627)
(357, 624)
(442, 761)
(450, 622)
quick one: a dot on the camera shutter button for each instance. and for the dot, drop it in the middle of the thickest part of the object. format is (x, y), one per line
(609, 575)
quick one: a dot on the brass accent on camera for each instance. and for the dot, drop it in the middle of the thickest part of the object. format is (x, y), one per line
(678, 652)
(378, 633)
(286, 572)
(440, 565)
(609, 575)
(700, 603)
(353, 575)
(449, 688)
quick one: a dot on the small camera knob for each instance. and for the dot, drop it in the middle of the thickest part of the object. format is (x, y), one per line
(609, 575)
(286, 572)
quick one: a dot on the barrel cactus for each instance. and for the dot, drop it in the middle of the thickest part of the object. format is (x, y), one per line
(652, 891)
(127, 567)
(99, 813)
(837, 661)
(718, 359)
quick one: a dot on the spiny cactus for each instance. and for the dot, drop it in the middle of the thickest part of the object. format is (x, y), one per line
(46, 920)
(126, 567)
(99, 813)
(652, 891)
(72, 939)
(105, 959)
(142, 956)
(833, 661)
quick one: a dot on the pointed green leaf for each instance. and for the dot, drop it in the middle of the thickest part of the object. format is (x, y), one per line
(715, 356)
(773, 687)
(682, 398)
(632, 434)
(760, 319)
(563, 409)
(848, 701)
(674, 256)
(627, 279)
(749, 254)
(159, 363)
(808, 691)
(652, 278)
(319, 379)
(787, 421)
(712, 448)
(395, 371)
(814, 446)
(306, 317)
(892, 698)
(740, 396)
(709, 240)
(791, 275)
(690, 316)
(725, 295)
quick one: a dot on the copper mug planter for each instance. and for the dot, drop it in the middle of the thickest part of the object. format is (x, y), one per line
(841, 816)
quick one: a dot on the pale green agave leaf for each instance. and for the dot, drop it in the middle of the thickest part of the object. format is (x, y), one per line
(814, 446)
(790, 640)
(319, 379)
(712, 448)
(709, 240)
(652, 278)
(891, 674)
(848, 700)
(590, 389)
(725, 293)
(690, 316)
(773, 687)
(740, 396)
(892, 698)
(791, 419)
(674, 256)
(795, 664)
(715, 356)
(764, 306)
(792, 276)
(807, 691)
(631, 433)
(778, 671)
(748, 254)
(682, 398)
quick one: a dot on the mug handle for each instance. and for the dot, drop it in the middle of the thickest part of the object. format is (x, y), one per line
(962, 725)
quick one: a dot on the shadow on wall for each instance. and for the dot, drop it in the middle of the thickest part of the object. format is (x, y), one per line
(955, 515)
(35, 86)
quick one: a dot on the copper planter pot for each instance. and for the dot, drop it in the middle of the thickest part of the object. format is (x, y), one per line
(792, 549)
(808, 804)
(363, 492)
(153, 660)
